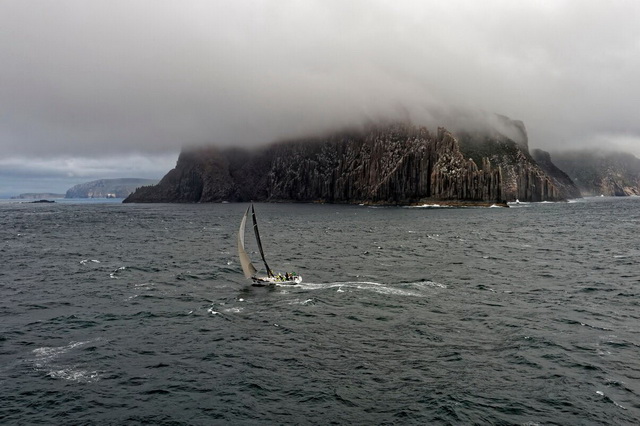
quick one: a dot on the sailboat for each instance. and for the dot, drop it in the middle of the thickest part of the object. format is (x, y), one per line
(249, 270)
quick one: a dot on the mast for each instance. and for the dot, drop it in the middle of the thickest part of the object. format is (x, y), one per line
(255, 229)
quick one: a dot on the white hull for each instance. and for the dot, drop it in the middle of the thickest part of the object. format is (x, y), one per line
(263, 281)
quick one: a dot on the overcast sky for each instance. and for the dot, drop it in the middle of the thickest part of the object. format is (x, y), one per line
(99, 89)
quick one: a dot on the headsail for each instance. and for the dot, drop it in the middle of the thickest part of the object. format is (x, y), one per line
(255, 229)
(247, 266)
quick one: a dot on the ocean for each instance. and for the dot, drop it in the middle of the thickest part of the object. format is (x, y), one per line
(139, 314)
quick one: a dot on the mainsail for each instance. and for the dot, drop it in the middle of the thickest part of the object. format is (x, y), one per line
(255, 229)
(247, 266)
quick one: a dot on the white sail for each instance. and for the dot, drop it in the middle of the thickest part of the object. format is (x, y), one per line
(247, 266)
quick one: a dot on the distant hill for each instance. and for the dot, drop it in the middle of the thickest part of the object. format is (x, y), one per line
(601, 172)
(108, 188)
(37, 196)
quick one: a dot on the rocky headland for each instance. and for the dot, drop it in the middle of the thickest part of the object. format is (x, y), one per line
(559, 177)
(601, 172)
(398, 163)
(107, 188)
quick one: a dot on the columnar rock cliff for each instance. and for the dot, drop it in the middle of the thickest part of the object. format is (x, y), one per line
(522, 178)
(394, 164)
(560, 178)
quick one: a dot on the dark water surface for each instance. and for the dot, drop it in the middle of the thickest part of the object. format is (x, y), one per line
(129, 314)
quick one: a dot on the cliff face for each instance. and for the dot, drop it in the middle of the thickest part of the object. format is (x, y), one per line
(522, 177)
(558, 177)
(399, 164)
(396, 164)
(107, 188)
(601, 173)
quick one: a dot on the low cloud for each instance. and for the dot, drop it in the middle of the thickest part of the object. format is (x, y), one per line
(118, 78)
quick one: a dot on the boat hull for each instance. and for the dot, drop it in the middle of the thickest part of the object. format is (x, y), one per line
(265, 281)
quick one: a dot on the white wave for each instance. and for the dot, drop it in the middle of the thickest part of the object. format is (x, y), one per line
(429, 206)
(618, 405)
(428, 284)
(144, 286)
(374, 287)
(301, 302)
(113, 274)
(46, 359)
(47, 353)
(74, 375)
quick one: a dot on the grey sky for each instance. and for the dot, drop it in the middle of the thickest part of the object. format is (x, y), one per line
(122, 80)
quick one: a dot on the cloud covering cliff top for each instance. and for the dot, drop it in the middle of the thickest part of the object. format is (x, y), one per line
(145, 77)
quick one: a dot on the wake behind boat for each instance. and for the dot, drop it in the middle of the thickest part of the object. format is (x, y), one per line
(247, 267)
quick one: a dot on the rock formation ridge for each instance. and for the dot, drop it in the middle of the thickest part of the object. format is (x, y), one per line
(392, 164)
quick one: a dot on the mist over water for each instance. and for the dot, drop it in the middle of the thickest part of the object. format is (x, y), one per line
(122, 313)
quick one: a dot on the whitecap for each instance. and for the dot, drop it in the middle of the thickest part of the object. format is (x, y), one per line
(429, 206)
(47, 353)
(46, 357)
(74, 375)
(618, 405)
(113, 274)
(428, 284)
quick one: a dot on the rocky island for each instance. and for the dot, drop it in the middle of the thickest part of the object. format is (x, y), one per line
(397, 163)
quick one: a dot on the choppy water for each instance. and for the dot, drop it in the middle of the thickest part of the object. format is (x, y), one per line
(127, 314)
